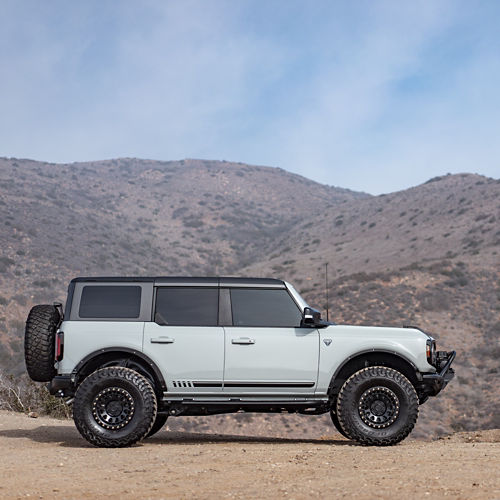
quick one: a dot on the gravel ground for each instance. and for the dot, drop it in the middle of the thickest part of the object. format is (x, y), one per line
(47, 458)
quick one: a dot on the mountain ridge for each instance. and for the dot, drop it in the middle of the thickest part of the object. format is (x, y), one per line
(428, 255)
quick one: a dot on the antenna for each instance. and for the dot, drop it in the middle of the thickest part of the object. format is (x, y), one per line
(326, 288)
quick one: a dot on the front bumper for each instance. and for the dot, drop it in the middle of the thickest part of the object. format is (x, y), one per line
(433, 383)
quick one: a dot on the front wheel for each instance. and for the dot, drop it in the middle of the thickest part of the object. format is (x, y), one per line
(377, 406)
(114, 407)
(336, 423)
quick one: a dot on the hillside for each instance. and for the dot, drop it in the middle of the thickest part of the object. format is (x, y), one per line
(428, 255)
(450, 216)
(137, 217)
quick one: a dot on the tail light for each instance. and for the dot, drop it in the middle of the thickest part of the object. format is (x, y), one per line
(59, 346)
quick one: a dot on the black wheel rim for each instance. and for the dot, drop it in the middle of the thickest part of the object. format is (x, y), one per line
(378, 407)
(113, 408)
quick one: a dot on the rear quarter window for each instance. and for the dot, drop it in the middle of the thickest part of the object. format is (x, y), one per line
(110, 302)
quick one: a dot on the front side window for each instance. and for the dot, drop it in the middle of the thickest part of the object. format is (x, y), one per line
(110, 302)
(187, 306)
(254, 307)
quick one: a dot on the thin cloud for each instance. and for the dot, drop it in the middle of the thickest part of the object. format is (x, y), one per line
(371, 96)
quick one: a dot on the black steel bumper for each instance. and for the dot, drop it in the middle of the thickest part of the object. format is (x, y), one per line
(61, 385)
(433, 383)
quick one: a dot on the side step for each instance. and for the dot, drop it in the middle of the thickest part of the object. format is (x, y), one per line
(203, 405)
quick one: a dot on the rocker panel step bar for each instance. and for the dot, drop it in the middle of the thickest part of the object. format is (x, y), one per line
(241, 400)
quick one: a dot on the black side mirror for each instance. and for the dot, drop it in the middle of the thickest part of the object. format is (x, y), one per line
(311, 318)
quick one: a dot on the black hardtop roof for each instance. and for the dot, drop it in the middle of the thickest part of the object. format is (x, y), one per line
(183, 280)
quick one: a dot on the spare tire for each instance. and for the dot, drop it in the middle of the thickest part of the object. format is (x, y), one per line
(39, 342)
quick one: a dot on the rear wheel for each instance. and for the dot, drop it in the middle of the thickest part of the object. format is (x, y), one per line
(114, 407)
(377, 406)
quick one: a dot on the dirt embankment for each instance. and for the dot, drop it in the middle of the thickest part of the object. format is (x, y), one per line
(46, 458)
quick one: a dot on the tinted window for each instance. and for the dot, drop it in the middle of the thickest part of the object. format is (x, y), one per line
(253, 307)
(187, 306)
(110, 302)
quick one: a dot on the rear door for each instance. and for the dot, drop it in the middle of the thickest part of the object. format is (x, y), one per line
(184, 339)
(266, 349)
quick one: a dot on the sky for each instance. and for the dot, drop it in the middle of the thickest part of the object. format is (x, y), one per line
(374, 96)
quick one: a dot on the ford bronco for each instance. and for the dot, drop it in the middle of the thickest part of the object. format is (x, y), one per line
(131, 352)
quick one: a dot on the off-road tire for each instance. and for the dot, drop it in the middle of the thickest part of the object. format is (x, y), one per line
(39, 342)
(114, 407)
(377, 406)
(336, 423)
(161, 420)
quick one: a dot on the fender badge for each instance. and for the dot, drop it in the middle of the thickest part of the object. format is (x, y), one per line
(327, 341)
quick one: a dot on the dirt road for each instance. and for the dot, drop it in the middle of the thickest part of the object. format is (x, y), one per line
(46, 458)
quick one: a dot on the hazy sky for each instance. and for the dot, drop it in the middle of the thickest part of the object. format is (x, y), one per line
(374, 96)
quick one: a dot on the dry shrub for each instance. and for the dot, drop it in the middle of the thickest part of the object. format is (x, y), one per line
(23, 395)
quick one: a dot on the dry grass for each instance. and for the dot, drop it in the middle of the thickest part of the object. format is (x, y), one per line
(23, 395)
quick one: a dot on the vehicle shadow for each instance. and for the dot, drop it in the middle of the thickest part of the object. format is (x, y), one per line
(198, 438)
(69, 437)
(56, 434)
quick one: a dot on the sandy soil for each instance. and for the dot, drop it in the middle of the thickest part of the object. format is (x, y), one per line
(46, 458)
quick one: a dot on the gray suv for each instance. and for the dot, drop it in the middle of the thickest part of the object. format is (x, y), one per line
(131, 352)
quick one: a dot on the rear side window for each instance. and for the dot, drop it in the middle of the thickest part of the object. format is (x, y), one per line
(187, 306)
(253, 307)
(110, 302)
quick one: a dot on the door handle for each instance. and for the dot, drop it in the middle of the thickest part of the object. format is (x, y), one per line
(162, 340)
(243, 341)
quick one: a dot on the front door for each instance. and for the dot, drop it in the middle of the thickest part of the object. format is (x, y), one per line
(266, 349)
(184, 339)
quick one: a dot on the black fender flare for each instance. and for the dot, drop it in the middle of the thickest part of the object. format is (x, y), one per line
(121, 350)
(386, 352)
